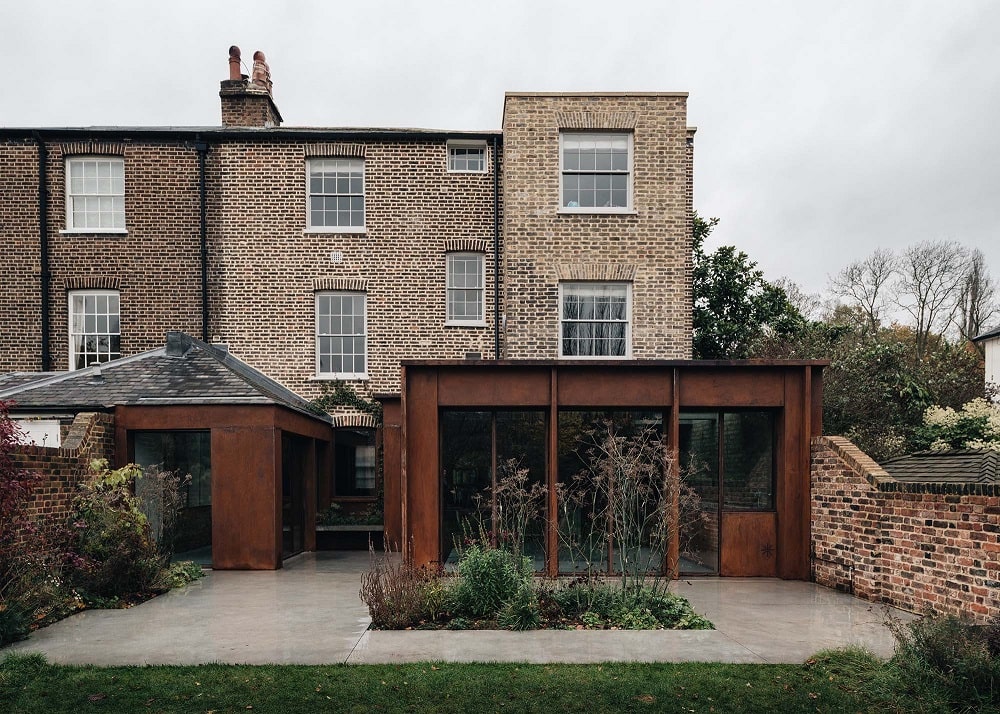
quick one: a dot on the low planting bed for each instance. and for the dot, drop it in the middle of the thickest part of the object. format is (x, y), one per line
(495, 589)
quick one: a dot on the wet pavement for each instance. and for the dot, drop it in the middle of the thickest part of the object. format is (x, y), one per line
(309, 612)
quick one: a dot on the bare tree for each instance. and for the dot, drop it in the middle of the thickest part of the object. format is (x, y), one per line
(865, 284)
(976, 299)
(809, 305)
(930, 280)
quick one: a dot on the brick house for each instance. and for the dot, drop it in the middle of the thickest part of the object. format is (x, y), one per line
(326, 257)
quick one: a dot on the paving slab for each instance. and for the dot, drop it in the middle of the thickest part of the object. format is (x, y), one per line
(309, 612)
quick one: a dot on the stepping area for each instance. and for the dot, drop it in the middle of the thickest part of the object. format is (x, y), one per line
(309, 612)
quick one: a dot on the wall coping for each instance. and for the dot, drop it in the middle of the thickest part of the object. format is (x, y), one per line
(881, 480)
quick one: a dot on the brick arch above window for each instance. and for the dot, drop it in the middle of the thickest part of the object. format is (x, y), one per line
(596, 120)
(335, 150)
(596, 271)
(362, 421)
(97, 148)
(466, 245)
(93, 282)
(357, 285)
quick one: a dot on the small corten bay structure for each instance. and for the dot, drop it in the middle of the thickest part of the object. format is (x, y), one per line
(254, 451)
(741, 431)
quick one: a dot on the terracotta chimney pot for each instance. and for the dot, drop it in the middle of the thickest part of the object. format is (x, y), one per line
(234, 63)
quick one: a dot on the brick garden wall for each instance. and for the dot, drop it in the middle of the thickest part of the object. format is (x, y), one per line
(919, 547)
(62, 469)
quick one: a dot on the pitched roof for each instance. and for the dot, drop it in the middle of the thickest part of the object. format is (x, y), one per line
(184, 371)
(995, 332)
(952, 466)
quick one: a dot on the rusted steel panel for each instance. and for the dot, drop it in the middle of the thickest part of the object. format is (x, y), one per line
(392, 472)
(246, 532)
(793, 482)
(422, 472)
(720, 387)
(600, 387)
(748, 545)
(493, 388)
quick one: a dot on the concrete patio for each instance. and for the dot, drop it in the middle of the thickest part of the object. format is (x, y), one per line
(309, 613)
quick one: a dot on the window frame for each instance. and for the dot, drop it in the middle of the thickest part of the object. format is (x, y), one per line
(69, 195)
(71, 334)
(467, 144)
(310, 228)
(629, 207)
(628, 318)
(340, 375)
(458, 322)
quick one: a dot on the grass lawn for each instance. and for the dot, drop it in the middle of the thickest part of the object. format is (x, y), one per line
(28, 684)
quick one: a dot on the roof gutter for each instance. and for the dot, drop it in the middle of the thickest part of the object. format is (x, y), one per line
(43, 246)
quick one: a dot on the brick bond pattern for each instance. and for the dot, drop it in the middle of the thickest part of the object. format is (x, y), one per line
(20, 269)
(265, 266)
(90, 436)
(544, 246)
(155, 266)
(916, 546)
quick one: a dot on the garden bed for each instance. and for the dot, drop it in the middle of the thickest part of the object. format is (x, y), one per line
(495, 589)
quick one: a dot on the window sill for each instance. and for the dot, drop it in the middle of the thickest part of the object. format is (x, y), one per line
(596, 357)
(94, 232)
(339, 378)
(457, 171)
(465, 323)
(597, 211)
(336, 229)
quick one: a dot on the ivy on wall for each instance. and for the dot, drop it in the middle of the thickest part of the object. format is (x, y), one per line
(343, 395)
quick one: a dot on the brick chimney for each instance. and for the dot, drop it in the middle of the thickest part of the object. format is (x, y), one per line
(247, 101)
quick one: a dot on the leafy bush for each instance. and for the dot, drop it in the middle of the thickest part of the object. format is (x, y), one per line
(952, 658)
(521, 612)
(179, 574)
(399, 595)
(14, 623)
(597, 605)
(975, 426)
(112, 552)
(490, 577)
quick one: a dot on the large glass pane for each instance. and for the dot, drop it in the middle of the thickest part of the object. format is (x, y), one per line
(520, 494)
(611, 515)
(466, 477)
(354, 462)
(699, 513)
(189, 454)
(748, 483)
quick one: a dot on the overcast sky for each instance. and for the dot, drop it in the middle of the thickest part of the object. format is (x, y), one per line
(824, 129)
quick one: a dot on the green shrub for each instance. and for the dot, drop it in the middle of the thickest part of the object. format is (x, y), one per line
(489, 578)
(950, 657)
(592, 621)
(521, 612)
(113, 552)
(593, 596)
(399, 595)
(179, 574)
(14, 623)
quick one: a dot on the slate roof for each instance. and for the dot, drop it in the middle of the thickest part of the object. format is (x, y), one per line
(16, 379)
(185, 371)
(958, 466)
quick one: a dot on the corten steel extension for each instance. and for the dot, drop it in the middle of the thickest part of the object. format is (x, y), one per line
(753, 543)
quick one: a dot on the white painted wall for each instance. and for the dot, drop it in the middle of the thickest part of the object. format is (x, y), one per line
(43, 432)
(992, 346)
